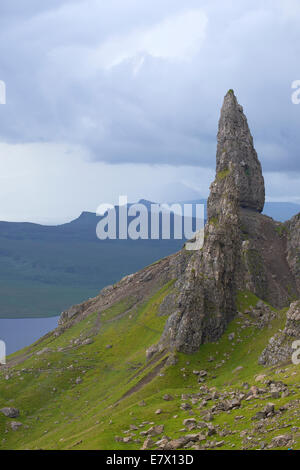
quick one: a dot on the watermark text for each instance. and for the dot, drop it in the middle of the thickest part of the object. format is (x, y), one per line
(2, 352)
(296, 93)
(2, 92)
(154, 221)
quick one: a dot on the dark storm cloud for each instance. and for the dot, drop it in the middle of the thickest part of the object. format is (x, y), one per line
(139, 81)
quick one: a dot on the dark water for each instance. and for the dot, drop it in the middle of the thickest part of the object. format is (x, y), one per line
(18, 333)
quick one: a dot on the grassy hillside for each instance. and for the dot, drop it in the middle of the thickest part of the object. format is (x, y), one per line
(76, 396)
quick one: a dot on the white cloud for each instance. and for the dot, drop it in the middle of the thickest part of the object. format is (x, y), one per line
(53, 183)
(289, 8)
(282, 187)
(159, 103)
(49, 183)
(178, 37)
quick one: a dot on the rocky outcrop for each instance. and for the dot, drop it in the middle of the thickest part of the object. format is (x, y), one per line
(242, 248)
(279, 349)
(236, 155)
(293, 246)
(266, 270)
(292, 327)
(207, 290)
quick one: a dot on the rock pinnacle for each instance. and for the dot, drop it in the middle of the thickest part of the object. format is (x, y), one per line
(236, 156)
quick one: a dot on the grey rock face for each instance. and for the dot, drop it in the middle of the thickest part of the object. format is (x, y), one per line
(236, 156)
(242, 248)
(71, 312)
(292, 327)
(206, 292)
(266, 270)
(293, 246)
(280, 349)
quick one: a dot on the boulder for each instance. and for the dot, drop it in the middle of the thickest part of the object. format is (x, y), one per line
(10, 412)
(155, 430)
(148, 444)
(168, 397)
(15, 425)
(282, 440)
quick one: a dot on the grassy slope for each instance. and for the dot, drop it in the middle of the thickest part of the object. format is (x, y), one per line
(58, 414)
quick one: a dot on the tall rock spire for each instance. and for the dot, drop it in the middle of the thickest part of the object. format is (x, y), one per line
(236, 156)
(235, 255)
(207, 289)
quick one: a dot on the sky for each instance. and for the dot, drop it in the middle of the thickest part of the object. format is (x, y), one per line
(123, 98)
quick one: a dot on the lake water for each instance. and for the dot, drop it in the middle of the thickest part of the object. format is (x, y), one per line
(18, 333)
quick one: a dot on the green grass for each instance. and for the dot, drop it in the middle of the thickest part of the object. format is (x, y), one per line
(90, 415)
(282, 230)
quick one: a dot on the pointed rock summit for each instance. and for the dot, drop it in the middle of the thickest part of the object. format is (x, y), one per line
(235, 255)
(237, 157)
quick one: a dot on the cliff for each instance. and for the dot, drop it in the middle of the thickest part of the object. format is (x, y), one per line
(243, 249)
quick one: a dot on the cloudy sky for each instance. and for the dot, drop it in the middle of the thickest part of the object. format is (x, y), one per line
(123, 97)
